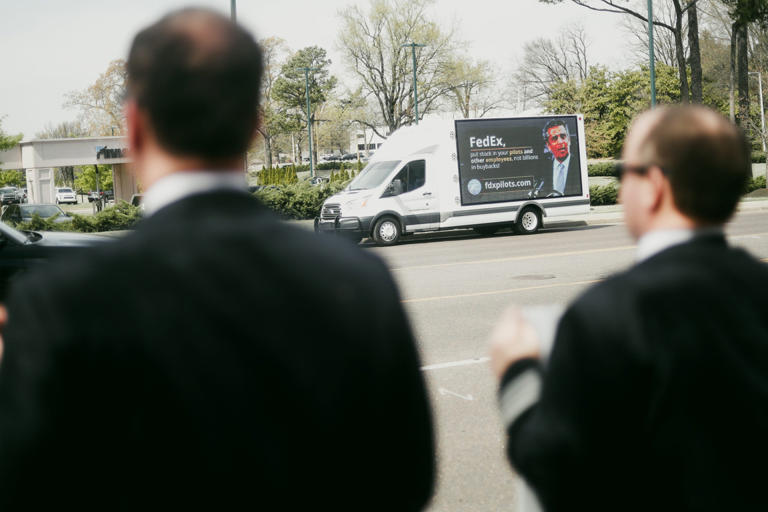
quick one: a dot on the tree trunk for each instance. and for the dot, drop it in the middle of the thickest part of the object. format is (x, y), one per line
(680, 53)
(695, 54)
(732, 77)
(742, 75)
(268, 151)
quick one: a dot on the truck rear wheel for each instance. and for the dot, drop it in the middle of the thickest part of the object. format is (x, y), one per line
(386, 231)
(529, 221)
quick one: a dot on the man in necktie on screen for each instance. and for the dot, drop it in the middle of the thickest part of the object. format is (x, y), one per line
(565, 178)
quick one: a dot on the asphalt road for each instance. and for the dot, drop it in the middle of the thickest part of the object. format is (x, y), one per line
(455, 286)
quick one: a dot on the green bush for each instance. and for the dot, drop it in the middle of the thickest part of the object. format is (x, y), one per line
(754, 184)
(119, 217)
(758, 157)
(602, 169)
(278, 176)
(603, 195)
(299, 200)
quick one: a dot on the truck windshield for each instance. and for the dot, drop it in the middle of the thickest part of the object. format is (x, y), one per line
(373, 175)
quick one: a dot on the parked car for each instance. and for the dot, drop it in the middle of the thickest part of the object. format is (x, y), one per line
(137, 200)
(16, 213)
(65, 195)
(319, 180)
(349, 156)
(106, 195)
(9, 195)
(21, 250)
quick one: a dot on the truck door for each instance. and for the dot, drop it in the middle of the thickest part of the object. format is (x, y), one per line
(415, 196)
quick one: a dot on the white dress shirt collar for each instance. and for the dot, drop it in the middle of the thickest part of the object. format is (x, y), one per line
(656, 241)
(179, 185)
(555, 165)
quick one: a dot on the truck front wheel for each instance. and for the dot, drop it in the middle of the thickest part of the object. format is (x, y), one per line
(529, 221)
(386, 231)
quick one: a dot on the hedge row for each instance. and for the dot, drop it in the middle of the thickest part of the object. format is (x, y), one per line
(603, 195)
(608, 194)
(300, 200)
(119, 217)
(331, 166)
(603, 169)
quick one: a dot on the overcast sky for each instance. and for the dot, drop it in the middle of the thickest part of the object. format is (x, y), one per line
(51, 47)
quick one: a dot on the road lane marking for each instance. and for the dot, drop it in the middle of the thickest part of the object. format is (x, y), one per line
(547, 255)
(444, 391)
(501, 292)
(452, 364)
(519, 258)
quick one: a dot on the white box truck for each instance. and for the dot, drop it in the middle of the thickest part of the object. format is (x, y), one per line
(471, 173)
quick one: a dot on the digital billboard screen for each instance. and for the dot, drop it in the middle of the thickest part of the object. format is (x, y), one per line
(518, 158)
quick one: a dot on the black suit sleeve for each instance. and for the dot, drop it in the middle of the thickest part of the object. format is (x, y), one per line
(591, 395)
(407, 446)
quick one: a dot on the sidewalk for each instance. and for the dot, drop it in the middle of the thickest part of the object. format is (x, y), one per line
(615, 213)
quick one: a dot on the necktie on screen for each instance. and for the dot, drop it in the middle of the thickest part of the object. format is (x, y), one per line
(560, 178)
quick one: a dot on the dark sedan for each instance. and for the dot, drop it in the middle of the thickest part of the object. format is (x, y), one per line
(22, 250)
(16, 213)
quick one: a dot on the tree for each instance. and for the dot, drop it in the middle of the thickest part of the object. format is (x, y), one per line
(333, 126)
(663, 40)
(742, 13)
(290, 89)
(468, 82)
(7, 141)
(101, 104)
(87, 178)
(272, 50)
(372, 43)
(547, 62)
(13, 177)
(609, 102)
(677, 29)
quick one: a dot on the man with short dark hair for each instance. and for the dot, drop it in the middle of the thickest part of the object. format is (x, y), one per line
(561, 171)
(655, 395)
(215, 358)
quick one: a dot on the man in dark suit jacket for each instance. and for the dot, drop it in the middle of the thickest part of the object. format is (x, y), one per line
(655, 395)
(561, 172)
(215, 358)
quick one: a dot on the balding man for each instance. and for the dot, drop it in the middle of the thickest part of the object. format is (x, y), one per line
(655, 395)
(215, 359)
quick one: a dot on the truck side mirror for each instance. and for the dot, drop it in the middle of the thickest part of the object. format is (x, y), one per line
(397, 187)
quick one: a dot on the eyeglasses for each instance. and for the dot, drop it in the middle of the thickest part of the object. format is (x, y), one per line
(620, 170)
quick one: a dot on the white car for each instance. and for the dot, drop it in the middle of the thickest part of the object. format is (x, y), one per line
(65, 195)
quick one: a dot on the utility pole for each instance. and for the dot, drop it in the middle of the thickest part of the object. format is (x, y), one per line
(413, 46)
(233, 10)
(309, 120)
(650, 53)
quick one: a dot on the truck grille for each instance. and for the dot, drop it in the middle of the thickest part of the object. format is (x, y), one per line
(330, 211)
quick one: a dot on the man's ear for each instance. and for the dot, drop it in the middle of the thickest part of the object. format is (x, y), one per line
(659, 187)
(135, 130)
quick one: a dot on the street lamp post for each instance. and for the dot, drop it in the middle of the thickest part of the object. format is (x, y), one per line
(413, 46)
(762, 110)
(233, 10)
(309, 121)
(650, 53)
